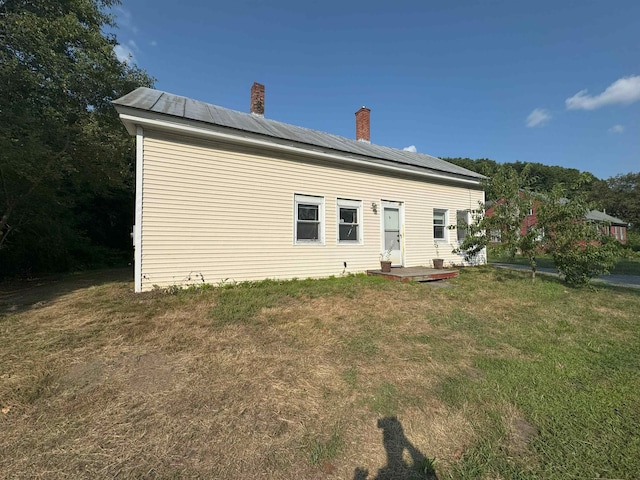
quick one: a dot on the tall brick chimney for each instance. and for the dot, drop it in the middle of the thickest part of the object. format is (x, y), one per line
(257, 99)
(363, 133)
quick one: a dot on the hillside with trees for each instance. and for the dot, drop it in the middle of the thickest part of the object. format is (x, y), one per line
(619, 195)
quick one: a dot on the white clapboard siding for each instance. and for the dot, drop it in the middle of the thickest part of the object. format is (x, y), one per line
(226, 213)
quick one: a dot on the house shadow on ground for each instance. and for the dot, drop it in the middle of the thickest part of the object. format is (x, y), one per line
(17, 296)
(397, 468)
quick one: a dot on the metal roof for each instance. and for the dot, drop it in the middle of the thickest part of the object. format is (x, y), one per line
(598, 216)
(156, 101)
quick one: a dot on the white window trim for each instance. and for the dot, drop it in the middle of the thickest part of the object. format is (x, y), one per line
(445, 226)
(345, 203)
(312, 200)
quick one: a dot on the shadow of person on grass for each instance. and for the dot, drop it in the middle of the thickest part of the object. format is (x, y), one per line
(395, 443)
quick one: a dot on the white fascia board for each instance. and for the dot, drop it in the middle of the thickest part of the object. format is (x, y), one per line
(137, 228)
(132, 118)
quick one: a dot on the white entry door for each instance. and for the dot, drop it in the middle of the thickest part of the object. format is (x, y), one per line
(392, 230)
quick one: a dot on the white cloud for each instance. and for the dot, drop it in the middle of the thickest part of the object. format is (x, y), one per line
(410, 148)
(134, 45)
(125, 19)
(617, 129)
(538, 117)
(625, 90)
(124, 53)
(153, 43)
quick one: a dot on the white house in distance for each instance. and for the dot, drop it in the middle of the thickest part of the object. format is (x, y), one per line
(228, 196)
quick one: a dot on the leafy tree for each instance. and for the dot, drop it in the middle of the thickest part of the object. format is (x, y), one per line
(506, 219)
(62, 149)
(620, 197)
(579, 248)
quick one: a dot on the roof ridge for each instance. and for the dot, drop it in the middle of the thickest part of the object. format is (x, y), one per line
(230, 118)
(266, 119)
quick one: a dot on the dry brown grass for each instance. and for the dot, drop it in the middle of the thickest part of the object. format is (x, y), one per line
(98, 382)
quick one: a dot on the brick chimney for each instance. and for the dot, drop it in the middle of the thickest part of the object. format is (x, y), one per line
(257, 99)
(363, 133)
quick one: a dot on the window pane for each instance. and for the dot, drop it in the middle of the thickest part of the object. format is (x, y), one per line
(348, 215)
(391, 219)
(308, 231)
(348, 232)
(461, 224)
(439, 217)
(307, 212)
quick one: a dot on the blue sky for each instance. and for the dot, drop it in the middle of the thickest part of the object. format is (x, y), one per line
(555, 82)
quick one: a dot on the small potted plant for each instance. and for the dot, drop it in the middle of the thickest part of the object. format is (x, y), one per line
(385, 261)
(438, 262)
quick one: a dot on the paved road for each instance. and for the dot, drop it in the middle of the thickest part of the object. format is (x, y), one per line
(632, 281)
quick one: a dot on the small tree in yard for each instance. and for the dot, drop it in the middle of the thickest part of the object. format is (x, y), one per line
(514, 204)
(579, 249)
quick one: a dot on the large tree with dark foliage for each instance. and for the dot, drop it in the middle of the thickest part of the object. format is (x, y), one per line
(65, 159)
(620, 196)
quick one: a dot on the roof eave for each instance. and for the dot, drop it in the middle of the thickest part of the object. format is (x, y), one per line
(133, 117)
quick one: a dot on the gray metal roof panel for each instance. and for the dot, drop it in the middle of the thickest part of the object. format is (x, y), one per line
(195, 110)
(603, 217)
(170, 105)
(161, 102)
(143, 98)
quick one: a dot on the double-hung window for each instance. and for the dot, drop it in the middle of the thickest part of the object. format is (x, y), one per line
(439, 224)
(462, 217)
(349, 216)
(309, 219)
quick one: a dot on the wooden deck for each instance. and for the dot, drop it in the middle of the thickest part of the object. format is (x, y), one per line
(414, 274)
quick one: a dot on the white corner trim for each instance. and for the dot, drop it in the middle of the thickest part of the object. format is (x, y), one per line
(137, 228)
(129, 119)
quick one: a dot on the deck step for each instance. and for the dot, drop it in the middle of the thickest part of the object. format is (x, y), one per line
(414, 274)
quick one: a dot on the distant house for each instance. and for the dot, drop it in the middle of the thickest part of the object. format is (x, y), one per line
(527, 222)
(609, 225)
(228, 196)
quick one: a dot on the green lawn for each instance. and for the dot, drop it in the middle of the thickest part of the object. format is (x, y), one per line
(489, 376)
